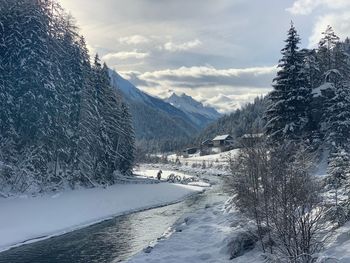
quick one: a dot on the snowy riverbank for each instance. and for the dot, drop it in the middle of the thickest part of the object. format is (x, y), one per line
(29, 219)
(212, 234)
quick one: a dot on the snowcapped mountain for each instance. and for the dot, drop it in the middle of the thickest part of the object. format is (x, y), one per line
(127, 88)
(201, 115)
(153, 118)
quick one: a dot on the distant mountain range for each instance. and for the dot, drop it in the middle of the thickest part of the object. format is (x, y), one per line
(201, 115)
(154, 118)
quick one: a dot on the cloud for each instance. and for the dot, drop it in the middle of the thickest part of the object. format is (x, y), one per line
(306, 7)
(339, 22)
(172, 47)
(335, 13)
(134, 40)
(207, 76)
(126, 55)
(225, 89)
(228, 103)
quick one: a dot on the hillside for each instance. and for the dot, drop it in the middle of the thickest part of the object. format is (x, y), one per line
(153, 118)
(246, 120)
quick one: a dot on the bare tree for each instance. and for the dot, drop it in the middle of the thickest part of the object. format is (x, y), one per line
(273, 186)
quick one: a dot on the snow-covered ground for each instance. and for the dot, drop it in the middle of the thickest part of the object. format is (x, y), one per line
(338, 248)
(29, 219)
(219, 159)
(151, 173)
(203, 236)
(213, 234)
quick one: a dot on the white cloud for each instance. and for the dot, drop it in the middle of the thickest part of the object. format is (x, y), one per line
(226, 103)
(126, 55)
(134, 40)
(339, 21)
(305, 7)
(173, 47)
(210, 71)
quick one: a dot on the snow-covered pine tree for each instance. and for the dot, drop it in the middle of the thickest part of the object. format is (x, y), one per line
(338, 167)
(8, 133)
(82, 117)
(338, 117)
(30, 81)
(101, 139)
(338, 170)
(333, 97)
(314, 79)
(111, 114)
(127, 141)
(59, 117)
(312, 67)
(287, 113)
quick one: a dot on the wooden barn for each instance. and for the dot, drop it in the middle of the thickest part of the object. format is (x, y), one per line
(223, 143)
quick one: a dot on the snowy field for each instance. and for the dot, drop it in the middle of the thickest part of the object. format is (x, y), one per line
(152, 173)
(219, 159)
(28, 219)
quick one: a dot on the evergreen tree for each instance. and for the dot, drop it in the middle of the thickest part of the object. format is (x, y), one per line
(287, 113)
(127, 141)
(337, 124)
(338, 168)
(325, 47)
(59, 117)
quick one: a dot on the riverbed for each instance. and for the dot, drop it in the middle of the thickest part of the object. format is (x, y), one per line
(114, 240)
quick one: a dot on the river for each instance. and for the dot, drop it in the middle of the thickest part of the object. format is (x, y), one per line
(114, 240)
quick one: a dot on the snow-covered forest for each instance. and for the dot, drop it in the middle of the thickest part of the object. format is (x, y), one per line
(307, 122)
(61, 123)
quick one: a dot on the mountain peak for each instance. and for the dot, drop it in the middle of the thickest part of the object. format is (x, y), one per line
(193, 107)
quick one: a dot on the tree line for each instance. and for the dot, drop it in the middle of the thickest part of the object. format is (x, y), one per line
(310, 99)
(307, 114)
(61, 123)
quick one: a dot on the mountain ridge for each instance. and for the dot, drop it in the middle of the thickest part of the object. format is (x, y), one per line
(197, 112)
(153, 118)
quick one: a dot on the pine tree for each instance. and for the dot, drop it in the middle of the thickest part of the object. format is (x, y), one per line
(59, 117)
(337, 124)
(325, 47)
(338, 170)
(287, 114)
(127, 141)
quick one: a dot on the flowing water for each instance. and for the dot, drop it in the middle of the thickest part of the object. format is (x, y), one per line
(114, 240)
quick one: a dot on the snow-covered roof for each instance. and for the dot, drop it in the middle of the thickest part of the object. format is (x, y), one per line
(254, 135)
(221, 137)
(318, 91)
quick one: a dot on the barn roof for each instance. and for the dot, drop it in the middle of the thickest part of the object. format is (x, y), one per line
(222, 137)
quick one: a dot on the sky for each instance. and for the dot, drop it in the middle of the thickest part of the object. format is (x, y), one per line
(221, 52)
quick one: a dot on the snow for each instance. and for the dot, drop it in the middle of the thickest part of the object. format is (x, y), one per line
(152, 173)
(202, 236)
(188, 104)
(221, 137)
(214, 159)
(338, 248)
(318, 91)
(126, 87)
(321, 169)
(28, 219)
